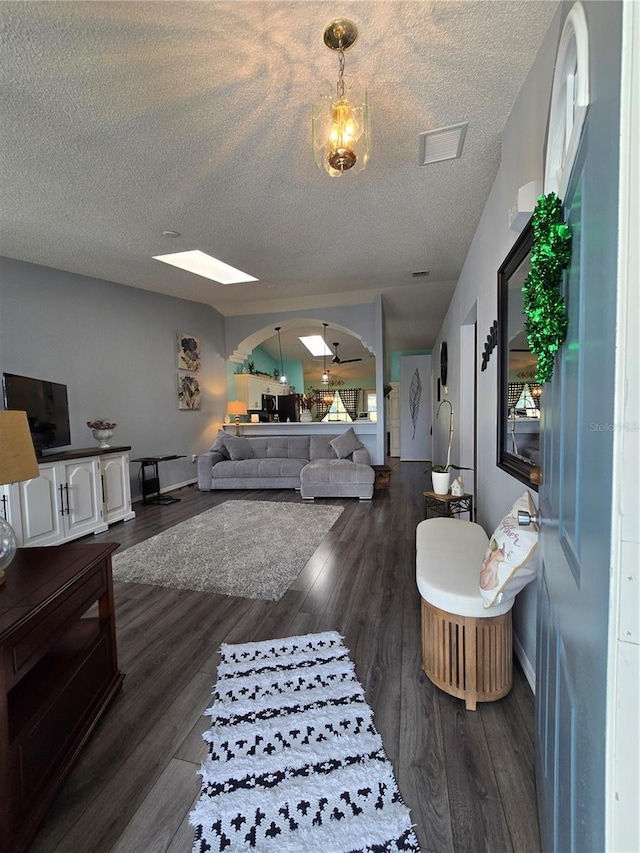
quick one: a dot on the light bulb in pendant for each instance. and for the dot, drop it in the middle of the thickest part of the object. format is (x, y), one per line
(344, 131)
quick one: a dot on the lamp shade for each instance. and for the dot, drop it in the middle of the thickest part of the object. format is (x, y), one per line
(236, 407)
(17, 457)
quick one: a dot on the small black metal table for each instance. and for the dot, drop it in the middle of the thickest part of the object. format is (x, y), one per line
(448, 505)
(150, 485)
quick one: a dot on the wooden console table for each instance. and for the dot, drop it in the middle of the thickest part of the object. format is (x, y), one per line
(58, 673)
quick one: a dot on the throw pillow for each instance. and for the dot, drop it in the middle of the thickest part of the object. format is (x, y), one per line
(510, 561)
(238, 447)
(346, 443)
(219, 445)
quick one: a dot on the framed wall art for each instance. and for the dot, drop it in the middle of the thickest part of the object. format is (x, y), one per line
(189, 394)
(188, 352)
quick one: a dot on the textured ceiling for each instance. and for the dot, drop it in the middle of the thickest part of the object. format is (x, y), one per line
(123, 120)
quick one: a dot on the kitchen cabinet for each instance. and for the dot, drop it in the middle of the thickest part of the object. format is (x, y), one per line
(250, 388)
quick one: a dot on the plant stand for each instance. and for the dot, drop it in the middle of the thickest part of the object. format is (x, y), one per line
(448, 505)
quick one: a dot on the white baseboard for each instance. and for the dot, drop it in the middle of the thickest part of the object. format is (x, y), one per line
(525, 663)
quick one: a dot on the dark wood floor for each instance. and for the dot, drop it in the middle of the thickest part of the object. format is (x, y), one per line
(467, 777)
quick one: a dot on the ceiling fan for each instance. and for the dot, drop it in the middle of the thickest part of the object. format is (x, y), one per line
(337, 360)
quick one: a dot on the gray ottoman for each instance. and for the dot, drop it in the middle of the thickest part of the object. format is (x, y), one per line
(336, 478)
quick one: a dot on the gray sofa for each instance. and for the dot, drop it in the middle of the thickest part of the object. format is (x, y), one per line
(318, 465)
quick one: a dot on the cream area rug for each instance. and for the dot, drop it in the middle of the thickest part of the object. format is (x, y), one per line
(253, 549)
(295, 763)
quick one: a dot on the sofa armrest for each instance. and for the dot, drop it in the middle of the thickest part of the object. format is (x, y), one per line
(361, 455)
(206, 461)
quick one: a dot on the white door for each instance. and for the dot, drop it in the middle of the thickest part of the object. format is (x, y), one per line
(83, 497)
(42, 507)
(115, 487)
(394, 419)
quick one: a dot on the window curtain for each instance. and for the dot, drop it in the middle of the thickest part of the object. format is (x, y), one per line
(350, 398)
(516, 388)
(321, 407)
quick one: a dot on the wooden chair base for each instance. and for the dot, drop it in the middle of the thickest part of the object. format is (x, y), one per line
(466, 656)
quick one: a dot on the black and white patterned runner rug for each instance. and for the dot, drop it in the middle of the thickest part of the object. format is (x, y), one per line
(295, 763)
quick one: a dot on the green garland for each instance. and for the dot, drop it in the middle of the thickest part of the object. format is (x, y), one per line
(544, 307)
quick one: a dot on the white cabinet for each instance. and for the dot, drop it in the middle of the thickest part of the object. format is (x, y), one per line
(116, 488)
(70, 498)
(63, 503)
(250, 388)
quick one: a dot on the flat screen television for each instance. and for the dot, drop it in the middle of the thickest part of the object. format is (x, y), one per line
(46, 406)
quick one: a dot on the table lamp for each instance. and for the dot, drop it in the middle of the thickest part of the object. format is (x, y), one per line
(17, 463)
(237, 408)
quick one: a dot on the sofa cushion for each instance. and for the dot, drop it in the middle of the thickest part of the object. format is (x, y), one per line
(320, 448)
(510, 561)
(238, 447)
(265, 469)
(341, 471)
(345, 443)
(288, 447)
(219, 445)
(447, 554)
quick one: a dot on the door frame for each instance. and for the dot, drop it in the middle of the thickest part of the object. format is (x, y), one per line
(622, 824)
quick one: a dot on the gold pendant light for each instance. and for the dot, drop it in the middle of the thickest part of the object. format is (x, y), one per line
(325, 372)
(283, 378)
(341, 138)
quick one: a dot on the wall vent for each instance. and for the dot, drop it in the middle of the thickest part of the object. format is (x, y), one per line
(445, 143)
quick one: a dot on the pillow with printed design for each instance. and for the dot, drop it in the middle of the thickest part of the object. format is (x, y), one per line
(511, 559)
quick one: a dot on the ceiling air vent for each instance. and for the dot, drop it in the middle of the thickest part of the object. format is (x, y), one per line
(445, 143)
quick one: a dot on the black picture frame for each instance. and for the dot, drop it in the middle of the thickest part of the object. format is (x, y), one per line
(520, 468)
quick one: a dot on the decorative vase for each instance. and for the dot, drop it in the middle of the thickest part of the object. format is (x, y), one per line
(305, 416)
(102, 436)
(440, 480)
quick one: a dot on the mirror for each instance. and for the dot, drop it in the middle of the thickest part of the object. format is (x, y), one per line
(519, 395)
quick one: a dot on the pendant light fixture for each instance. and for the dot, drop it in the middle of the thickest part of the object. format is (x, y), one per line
(283, 378)
(341, 138)
(325, 372)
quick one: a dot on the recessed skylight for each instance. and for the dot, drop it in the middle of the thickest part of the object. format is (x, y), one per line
(202, 264)
(316, 345)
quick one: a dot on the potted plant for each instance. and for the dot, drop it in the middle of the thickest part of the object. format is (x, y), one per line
(102, 430)
(441, 474)
(305, 401)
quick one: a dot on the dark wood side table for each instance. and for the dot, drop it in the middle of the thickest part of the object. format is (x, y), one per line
(58, 674)
(150, 485)
(382, 476)
(448, 505)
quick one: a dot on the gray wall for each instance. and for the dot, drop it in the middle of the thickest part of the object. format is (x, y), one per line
(522, 161)
(114, 347)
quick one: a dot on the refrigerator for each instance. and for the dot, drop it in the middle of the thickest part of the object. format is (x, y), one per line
(287, 408)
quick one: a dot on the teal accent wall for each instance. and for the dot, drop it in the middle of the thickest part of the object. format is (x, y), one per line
(295, 374)
(263, 363)
(396, 358)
